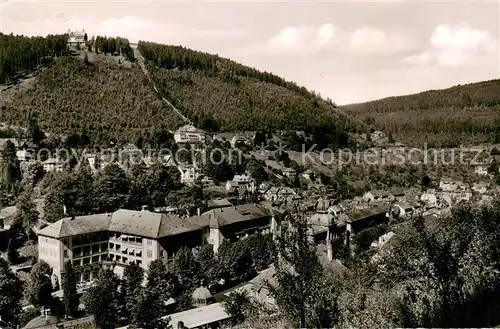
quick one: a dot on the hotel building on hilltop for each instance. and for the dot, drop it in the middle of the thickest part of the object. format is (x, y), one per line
(125, 236)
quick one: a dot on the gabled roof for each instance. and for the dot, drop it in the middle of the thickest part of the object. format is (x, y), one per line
(366, 213)
(140, 223)
(230, 215)
(265, 277)
(153, 225)
(189, 128)
(80, 225)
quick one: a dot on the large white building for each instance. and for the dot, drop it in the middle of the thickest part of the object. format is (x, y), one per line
(77, 38)
(125, 236)
(189, 134)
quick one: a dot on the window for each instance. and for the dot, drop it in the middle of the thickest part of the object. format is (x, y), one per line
(150, 242)
(95, 259)
(95, 248)
(65, 253)
(150, 253)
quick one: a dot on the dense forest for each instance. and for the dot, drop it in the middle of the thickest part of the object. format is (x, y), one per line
(448, 117)
(108, 45)
(237, 97)
(107, 101)
(20, 54)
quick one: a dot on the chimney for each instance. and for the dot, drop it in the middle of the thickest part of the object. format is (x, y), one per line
(144, 208)
(198, 211)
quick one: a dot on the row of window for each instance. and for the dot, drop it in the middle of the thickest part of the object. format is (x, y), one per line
(92, 249)
(90, 260)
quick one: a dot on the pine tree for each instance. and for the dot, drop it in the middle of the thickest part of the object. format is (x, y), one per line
(70, 298)
(12, 253)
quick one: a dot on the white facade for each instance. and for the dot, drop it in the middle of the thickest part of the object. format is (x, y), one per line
(53, 164)
(76, 38)
(189, 174)
(189, 134)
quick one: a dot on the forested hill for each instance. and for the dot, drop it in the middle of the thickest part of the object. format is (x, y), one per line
(100, 90)
(20, 54)
(448, 117)
(218, 91)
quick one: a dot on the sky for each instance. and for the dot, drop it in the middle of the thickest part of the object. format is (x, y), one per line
(349, 51)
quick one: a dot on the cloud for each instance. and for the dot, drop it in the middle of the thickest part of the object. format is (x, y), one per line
(452, 46)
(307, 39)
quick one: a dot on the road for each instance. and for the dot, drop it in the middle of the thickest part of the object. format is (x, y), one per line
(142, 64)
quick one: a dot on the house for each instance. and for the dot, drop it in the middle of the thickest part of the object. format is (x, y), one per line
(289, 172)
(429, 199)
(117, 239)
(219, 203)
(397, 193)
(206, 181)
(258, 288)
(322, 226)
(237, 181)
(189, 134)
(378, 196)
(309, 175)
(452, 186)
(77, 38)
(239, 140)
(480, 188)
(481, 170)
(53, 164)
(401, 209)
(278, 193)
(233, 223)
(354, 222)
(189, 174)
(379, 138)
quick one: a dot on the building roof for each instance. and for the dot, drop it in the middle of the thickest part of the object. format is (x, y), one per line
(42, 321)
(80, 225)
(77, 33)
(53, 161)
(322, 220)
(139, 223)
(216, 203)
(8, 211)
(190, 129)
(365, 213)
(230, 215)
(264, 277)
(200, 316)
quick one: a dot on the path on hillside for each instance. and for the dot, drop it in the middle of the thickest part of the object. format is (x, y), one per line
(142, 64)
